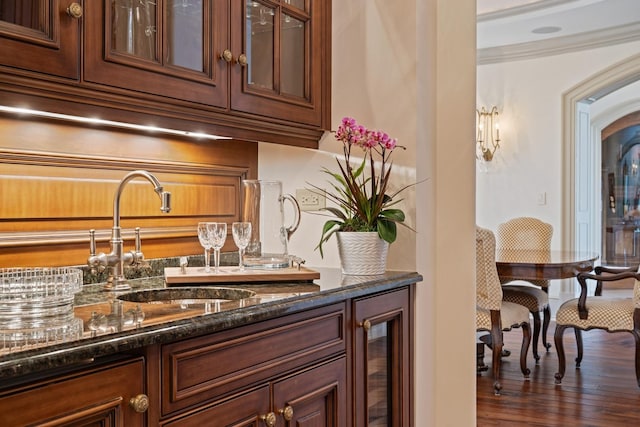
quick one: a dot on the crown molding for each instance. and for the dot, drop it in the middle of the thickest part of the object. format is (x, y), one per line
(520, 10)
(559, 45)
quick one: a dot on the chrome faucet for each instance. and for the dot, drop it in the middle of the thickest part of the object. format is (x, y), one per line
(117, 258)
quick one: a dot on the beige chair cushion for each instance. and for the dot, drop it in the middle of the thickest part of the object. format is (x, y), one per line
(535, 299)
(510, 314)
(612, 314)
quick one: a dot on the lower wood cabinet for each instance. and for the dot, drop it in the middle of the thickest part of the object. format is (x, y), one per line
(314, 396)
(103, 395)
(382, 359)
(198, 371)
(341, 365)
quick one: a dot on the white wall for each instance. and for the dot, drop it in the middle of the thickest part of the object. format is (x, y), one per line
(374, 81)
(415, 80)
(529, 97)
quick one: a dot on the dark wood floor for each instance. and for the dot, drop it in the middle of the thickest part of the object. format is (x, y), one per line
(603, 392)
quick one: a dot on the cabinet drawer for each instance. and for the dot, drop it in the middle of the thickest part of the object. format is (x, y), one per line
(95, 396)
(200, 369)
(241, 410)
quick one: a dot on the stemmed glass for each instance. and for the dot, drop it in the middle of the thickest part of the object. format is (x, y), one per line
(217, 236)
(205, 241)
(241, 232)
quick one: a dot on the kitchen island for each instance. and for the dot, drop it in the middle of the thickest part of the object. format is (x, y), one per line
(289, 351)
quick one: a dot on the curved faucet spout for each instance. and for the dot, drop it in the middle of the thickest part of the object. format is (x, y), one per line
(165, 196)
(118, 257)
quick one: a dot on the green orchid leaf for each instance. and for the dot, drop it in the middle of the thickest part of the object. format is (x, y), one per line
(393, 214)
(387, 230)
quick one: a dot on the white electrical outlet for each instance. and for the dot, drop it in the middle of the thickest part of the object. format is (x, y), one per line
(310, 200)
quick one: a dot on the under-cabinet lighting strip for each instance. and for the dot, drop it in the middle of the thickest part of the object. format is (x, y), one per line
(95, 121)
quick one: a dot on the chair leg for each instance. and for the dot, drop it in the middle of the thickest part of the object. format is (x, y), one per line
(636, 336)
(536, 334)
(578, 334)
(526, 339)
(496, 350)
(545, 327)
(560, 350)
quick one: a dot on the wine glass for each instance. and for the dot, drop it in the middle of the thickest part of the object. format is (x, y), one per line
(241, 232)
(217, 236)
(205, 241)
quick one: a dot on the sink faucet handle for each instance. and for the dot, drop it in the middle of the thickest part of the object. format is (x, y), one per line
(92, 242)
(138, 256)
(138, 240)
(97, 262)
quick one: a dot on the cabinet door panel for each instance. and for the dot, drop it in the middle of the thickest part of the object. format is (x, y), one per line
(168, 48)
(39, 35)
(244, 410)
(282, 46)
(316, 397)
(381, 360)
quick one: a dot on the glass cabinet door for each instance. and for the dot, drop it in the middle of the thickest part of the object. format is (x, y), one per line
(381, 358)
(41, 35)
(170, 48)
(180, 41)
(277, 58)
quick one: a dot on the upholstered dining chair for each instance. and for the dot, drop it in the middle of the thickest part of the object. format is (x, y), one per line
(493, 314)
(526, 233)
(612, 314)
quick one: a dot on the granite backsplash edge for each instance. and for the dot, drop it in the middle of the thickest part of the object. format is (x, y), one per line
(152, 267)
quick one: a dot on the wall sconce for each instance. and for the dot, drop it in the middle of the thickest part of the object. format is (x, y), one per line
(487, 133)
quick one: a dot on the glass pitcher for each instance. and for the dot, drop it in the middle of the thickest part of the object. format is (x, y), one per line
(263, 207)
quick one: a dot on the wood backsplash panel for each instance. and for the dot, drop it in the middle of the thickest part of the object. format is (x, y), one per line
(59, 181)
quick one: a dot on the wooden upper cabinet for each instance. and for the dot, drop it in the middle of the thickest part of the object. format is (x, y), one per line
(169, 48)
(39, 35)
(256, 70)
(278, 55)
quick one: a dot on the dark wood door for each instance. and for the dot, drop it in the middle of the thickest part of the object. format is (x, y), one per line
(316, 397)
(249, 409)
(382, 363)
(168, 48)
(99, 396)
(39, 35)
(277, 71)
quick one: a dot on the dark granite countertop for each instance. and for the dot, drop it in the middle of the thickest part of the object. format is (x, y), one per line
(111, 327)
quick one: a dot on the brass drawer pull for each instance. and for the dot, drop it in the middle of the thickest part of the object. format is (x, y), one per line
(74, 10)
(365, 324)
(269, 419)
(226, 55)
(287, 413)
(139, 403)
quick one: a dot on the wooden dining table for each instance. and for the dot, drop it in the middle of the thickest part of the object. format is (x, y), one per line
(518, 264)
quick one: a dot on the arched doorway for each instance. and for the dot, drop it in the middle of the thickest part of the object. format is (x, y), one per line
(581, 219)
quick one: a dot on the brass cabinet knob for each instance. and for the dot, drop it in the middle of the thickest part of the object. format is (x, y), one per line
(365, 324)
(242, 60)
(139, 403)
(269, 419)
(226, 55)
(287, 413)
(74, 10)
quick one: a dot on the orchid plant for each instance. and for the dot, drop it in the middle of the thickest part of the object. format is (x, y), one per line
(360, 193)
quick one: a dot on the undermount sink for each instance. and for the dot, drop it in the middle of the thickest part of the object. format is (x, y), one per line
(186, 295)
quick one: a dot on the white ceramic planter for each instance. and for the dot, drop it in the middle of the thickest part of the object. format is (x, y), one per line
(362, 253)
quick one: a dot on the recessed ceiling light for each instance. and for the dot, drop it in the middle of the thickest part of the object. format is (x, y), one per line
(546, 30)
